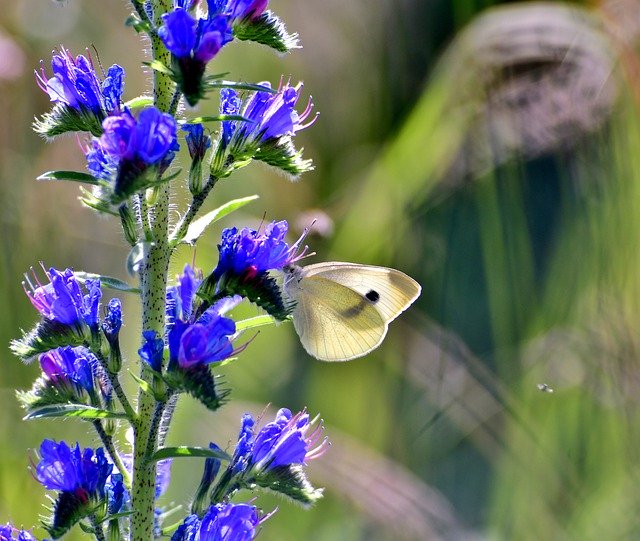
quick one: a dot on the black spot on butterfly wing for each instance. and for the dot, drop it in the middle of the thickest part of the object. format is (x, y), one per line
(373, 296)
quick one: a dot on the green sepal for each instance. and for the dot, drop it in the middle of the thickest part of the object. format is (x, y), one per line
(267, 29)
(48, 335)
(290, 481)
(139, 102)
(74, 176)
(261, 289)
(185, 452)
(282, 154)
(200, 383)
(44, 393)
(198, 227)
(64, 119)
(69, 509)
(73, 410)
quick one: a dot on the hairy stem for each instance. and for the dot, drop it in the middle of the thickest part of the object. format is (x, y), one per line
(107, 441)
(196, 204)
(153, 431)
(153, 278)
(97, 528)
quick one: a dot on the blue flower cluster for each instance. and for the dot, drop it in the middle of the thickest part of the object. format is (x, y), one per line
(75, 84)
(129, 147)
(249, 252)
(7, 531)
(80, 472)
(201, 341)
(62, 300)
(269, 116)
(286, 441)
(222, 522)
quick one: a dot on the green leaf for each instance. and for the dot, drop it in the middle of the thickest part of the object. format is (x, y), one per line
(115, 516)
(146, 388)
(197, 228)
(73, 410)
(139, 102)
(240, 86)
(184, 451)
(75, 176)
(217, 118)
(253, 322)
(156, 65)
(106, 281)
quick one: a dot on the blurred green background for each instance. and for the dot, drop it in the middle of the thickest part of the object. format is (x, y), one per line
(493, 153)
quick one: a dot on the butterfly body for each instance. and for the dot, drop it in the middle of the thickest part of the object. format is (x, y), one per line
(343, 310)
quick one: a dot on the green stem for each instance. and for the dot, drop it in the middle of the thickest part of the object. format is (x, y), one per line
(97, 528)
(196, 204)
(153, 278)
(107, 441)
(153, 431)
(122, 397)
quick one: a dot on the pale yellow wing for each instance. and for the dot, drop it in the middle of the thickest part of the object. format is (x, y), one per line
(390, 291)
(334, 322)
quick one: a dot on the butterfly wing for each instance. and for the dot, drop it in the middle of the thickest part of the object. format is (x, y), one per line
(390, 291)
(335, 322)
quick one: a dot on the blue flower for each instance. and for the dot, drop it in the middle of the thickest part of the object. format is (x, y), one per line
(230, 104)
(70, 368)
(113, 320)
(83, 473)
(75, 84)
(198, 40)
(7, 531)
(117, 496)
(62, 300)
(249, 252)
(239, 10)
(222, 522)
(152, 350)
(192, 44)
(270, 116)
(197, 140)
(286, 441)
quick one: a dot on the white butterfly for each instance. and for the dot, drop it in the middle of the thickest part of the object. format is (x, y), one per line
(343, 310)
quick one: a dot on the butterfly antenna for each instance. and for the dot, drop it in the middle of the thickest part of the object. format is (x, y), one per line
(296, 245)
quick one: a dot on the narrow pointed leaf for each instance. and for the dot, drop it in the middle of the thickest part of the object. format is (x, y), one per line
(156, 65)
(107, 281)
(73, 410)
(197, 228)
(253, 322)
(218, 118)
(146, 388)
(241, 86)
(74, 176)
(184, 451)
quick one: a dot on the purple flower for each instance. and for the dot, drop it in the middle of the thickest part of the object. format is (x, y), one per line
(7, 531)
(197, 141)
(222, 522)
(81, 472)
(249, 252)
(62, 300)
(70, 368)
(288, 440)
(75, 84)
(271, 116)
